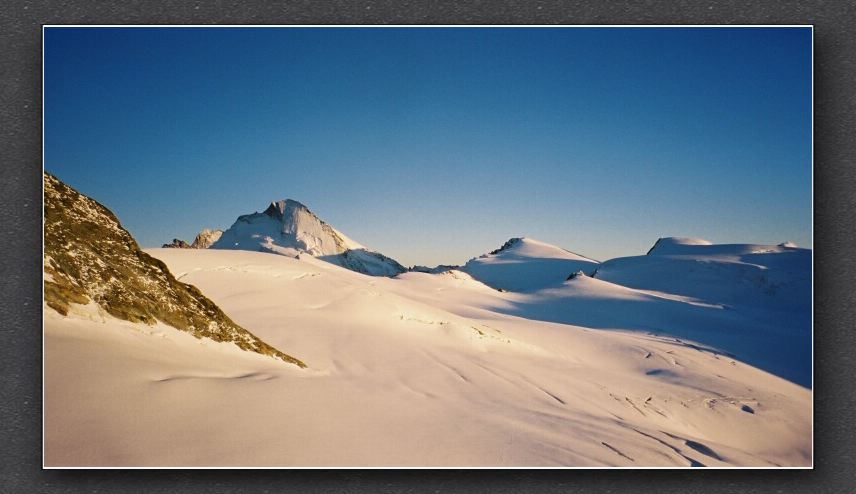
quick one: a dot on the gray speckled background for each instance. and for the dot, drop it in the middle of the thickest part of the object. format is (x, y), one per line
(20, 276)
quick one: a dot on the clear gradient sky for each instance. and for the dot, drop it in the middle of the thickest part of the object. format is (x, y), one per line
(435, 145)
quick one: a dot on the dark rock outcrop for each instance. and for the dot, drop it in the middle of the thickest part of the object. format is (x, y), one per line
(442, 268)
(89, 257)
(176, 244)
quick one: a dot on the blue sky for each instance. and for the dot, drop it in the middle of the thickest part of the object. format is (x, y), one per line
(434, 145)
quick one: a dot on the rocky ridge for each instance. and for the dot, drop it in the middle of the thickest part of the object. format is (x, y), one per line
(90, 258)
(206, 238)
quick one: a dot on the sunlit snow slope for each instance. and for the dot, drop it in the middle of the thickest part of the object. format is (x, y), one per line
(418, 370)
(523, 264)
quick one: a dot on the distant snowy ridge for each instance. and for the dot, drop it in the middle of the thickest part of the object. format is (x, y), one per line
(751, 300)
(524, 264)
(665, 245)
(699, 246)
(734, 274)
(289, 228)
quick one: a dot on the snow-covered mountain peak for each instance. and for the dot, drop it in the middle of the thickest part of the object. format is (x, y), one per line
(524, 264)
(287, 227)
(285, 224)
(286, 208)
(507, 245)
(529, 247)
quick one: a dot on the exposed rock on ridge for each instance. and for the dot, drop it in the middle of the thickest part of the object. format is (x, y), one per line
(206, 238)
(203, 240)
(176, 244)
(89, 257)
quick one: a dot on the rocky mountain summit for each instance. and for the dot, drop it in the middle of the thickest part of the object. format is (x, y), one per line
(90, 258)
(206, 238)
(289, 228)
(176, 244)
(203, 240)
(442, 268)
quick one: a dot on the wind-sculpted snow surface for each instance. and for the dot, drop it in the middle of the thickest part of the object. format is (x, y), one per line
(90, 259)
(524, 264)
(289, 228)
(752, 302)
(418, 370)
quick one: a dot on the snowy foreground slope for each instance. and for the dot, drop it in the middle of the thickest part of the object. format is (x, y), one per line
(423, 370)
